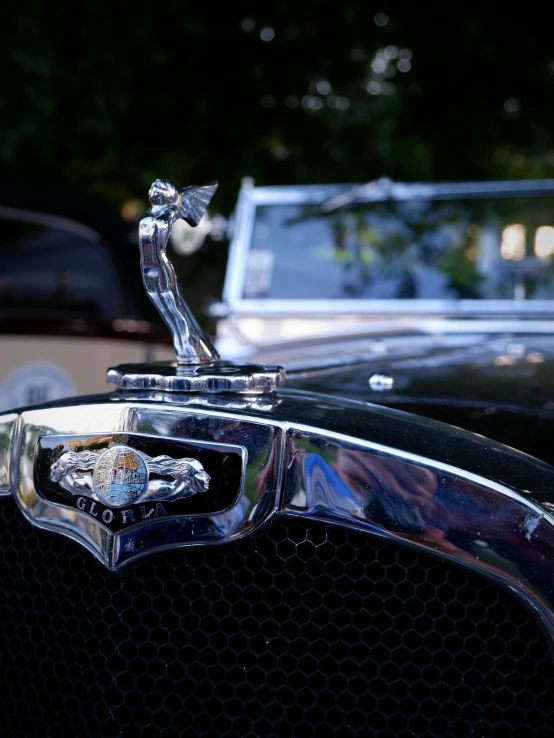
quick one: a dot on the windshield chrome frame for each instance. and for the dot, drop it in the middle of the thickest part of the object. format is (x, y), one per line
(251, 197)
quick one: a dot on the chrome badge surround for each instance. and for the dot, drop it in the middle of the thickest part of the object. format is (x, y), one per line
(159, 518)
(117, 483)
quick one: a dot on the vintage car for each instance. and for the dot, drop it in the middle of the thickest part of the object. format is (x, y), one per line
(71, 299)
(363, 549)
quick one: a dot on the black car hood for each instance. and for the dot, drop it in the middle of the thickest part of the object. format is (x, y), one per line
(502, 388)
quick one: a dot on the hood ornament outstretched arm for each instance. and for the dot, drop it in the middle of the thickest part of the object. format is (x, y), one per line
(198, 367)
(169, 204)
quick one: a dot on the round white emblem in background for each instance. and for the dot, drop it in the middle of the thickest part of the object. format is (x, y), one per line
(33, 383)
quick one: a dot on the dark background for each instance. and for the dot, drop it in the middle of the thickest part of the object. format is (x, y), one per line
(103, 98)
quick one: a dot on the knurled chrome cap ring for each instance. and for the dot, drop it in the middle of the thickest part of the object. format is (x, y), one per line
(218, 376)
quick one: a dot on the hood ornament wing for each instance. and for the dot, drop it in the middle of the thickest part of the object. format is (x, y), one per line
(198, 367)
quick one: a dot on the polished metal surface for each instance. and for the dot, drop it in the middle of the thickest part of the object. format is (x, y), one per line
(117, 534)
(379, 382)
(415, 481)
(168, 204)
(8, 443)
(464, 517)
(219, 376)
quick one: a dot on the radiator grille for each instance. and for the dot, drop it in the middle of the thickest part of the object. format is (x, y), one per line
(302, 630)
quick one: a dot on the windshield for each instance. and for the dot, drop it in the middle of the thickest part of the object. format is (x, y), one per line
(473, 249)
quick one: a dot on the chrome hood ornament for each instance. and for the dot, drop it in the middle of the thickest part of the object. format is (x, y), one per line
(169, 204)
(198, 367)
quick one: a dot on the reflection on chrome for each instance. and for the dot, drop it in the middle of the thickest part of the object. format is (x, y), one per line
(380, 382)
(416, 482)
(168, 205)
(459, 515)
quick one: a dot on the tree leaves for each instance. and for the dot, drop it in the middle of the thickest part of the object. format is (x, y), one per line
(104, 102)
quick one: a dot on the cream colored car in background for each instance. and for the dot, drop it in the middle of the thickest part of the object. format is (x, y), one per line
(71, 300)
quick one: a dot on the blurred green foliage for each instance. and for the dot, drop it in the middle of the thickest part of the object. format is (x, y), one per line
(104, 97)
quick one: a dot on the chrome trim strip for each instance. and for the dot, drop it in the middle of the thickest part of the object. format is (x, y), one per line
(9, 426)
(429, 505)
(238, 248)
(341, 438)
(458, 308)
(291, 194)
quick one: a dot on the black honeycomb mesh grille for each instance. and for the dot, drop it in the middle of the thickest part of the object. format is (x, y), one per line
(303, 630)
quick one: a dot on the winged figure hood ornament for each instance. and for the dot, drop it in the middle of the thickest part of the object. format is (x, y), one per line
(169, 204)
(197, 366)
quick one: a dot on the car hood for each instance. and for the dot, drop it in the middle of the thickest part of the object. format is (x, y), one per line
(499, 387)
